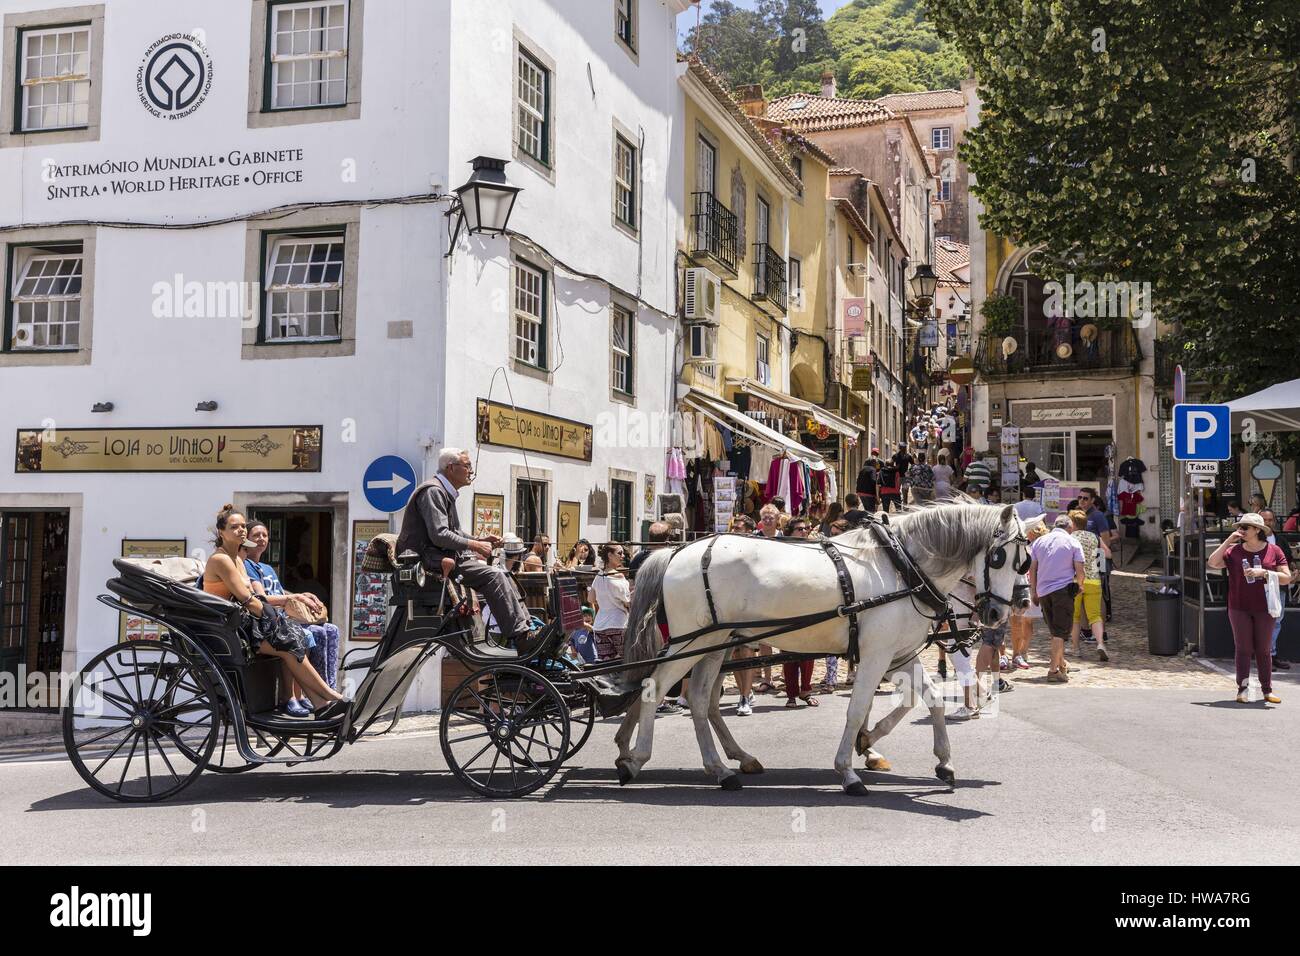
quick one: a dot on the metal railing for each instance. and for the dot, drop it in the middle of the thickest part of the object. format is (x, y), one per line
(769, 276)
(713, 230)
(1041, 351)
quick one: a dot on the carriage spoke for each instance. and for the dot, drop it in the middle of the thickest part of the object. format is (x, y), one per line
(492, 772)
(469, 763)
(112, 754)
(125, 690)
(461, 740)
(162, 753)
(135, 740)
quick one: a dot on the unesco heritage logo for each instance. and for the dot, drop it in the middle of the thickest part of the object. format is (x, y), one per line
(175, 76)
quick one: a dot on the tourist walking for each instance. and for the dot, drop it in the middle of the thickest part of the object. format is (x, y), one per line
(1087, 605)
(613, 594)
(1248, 558)
(1055, 576)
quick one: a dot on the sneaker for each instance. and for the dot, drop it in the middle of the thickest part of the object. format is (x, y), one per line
(1102, 655)
(1272, 698)
(1004, 664)
(683, 703)
(1005, 686)
(961, 713)
(668, 707)
(1242, 698)
(1057, 677)
(1020, 662)
(745, 707)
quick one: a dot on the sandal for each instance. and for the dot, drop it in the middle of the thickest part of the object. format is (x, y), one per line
(792, 703)
(765, 687)
(810, 700)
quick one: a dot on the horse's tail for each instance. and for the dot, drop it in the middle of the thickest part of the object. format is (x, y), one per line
(641, 638)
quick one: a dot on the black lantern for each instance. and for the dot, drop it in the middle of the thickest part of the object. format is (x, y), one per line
(487, 198)
(924, 282)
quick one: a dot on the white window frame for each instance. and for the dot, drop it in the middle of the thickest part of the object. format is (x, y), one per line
(526, 62)
(763, 371)
(528, 335)
(23, 261)
(625, 176)
(323, 58)
(621, 357)
(80, 82)
(794, 281)
(271, 333)
(941, 137)
(945, 190)
(625, 12)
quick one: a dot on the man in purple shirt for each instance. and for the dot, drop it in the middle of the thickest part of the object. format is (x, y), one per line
(1055, 576)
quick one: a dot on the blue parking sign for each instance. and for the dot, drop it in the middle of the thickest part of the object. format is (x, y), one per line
(1202, 433)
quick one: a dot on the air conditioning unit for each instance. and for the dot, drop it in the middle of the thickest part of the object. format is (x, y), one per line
(703, 295)
(701, 345)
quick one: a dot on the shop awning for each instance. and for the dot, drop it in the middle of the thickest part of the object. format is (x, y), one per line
(1274, 409)
(729, 416)
(832, 421)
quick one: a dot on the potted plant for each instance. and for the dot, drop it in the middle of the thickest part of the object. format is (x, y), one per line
(1002, 315)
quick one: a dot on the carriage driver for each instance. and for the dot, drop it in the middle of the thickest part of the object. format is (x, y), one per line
(431, 528)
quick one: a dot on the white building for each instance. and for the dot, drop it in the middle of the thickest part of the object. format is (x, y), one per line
(242, 208)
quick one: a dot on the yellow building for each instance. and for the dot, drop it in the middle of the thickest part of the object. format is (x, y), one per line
(753, 278)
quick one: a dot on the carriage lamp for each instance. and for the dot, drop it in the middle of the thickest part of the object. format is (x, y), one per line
(102, 407)
(923, 282)
(208, 406)
(484, 203)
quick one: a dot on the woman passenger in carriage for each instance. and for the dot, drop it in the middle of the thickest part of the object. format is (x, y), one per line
(226, 576)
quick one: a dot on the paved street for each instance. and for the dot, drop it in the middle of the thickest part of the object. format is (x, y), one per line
(1062, 775)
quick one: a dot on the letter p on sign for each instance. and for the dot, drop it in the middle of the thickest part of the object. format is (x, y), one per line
(1202, 433)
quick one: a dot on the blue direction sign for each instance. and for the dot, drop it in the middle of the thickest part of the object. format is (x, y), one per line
(388, 483)
(1202, 433)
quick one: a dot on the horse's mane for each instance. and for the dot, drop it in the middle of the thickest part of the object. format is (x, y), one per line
(940, 536)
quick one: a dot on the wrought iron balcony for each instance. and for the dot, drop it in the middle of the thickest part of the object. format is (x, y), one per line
(1039, 352)
(713, 230)
(769, 276)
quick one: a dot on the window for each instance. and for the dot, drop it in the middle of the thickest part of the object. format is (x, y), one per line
(796, 163)
(621, 331)
(45, 303)
(625, 182)
(530, 508)
(620, 510)
(945, 190)
(703, 346)
(530, 315)
(308, 46)
(762, 221)
(624, 22)
(941, 137)
(54, 77)
(764, 371)
(851, 259)
(304, 288)
(533, 108)
(795, 280)
(706, 166)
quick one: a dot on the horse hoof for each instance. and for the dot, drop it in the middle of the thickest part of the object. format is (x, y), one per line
(858, 789)
(946, 774)
(879, 763)
(625, 775)
(731, 783)
(751, 766)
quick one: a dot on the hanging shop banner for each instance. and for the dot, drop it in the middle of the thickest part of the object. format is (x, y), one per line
(489, 515)
(855, 316)
(244, 448)
(132, 627)
(861, 378)
(368, 611)
(532, 431)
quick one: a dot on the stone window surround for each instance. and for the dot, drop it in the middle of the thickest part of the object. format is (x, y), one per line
(522, 43)
(260, 115)
(619, 301)
(620, 131)
(540, 475)
(634, 10)
(39, 236)
(10, 135)
(520, 253)
(347, 218)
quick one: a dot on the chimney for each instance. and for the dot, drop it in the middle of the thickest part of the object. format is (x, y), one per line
(750, 98)
(828, 85)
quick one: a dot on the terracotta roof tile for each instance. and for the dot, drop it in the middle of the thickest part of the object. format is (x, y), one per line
(949, 256)
(807, 111)
(925, 100)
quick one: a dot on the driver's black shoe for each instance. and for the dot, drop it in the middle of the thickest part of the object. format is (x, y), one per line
(528, 644)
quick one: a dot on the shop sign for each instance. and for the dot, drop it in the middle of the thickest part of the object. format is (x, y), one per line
(862, 378)
(241, 448)
(368, 611)
(489, 515)
(133, 627)
(532, 431)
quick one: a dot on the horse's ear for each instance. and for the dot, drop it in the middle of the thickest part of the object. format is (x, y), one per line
(1007, 513)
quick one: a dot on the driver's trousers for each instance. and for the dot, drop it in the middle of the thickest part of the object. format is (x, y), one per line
(498, 589)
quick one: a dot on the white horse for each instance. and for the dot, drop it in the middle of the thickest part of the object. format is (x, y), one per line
(755, 580)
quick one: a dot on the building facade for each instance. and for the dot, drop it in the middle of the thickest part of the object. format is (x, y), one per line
(262, 296)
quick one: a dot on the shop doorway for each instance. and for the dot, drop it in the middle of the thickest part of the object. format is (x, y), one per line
(301, 548)
(33, 598)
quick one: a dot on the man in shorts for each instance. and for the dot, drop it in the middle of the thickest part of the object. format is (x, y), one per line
(1055, 577)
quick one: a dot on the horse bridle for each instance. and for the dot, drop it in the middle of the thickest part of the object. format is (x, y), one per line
(994, 558)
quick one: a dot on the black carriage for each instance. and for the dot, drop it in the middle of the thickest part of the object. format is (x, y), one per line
(145, 717)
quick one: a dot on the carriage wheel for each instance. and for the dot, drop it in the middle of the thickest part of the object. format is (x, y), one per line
(505, 731)
(582, 718)
(225, 756)
(148, 707)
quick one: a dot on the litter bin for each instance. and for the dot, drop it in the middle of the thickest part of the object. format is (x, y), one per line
(1164, 604)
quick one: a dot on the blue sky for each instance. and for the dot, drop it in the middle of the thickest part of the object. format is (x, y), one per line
(687, 20)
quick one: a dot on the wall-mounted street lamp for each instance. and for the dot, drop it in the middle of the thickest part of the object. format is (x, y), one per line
(102, 407)
(484, 203)
(924, 282)
(208, 406)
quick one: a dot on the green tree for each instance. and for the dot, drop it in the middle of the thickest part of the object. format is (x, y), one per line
(1142, 143)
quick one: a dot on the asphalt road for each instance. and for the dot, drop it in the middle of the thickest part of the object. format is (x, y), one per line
(1063, 775)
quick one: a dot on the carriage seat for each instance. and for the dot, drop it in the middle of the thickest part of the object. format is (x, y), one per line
(214, 620)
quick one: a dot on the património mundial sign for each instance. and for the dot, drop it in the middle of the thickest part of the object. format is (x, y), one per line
(175, 75)
(237, 167)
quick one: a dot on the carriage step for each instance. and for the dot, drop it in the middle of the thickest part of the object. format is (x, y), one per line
(269, 720)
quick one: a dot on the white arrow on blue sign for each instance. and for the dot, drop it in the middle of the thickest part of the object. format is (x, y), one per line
(1202, 433)
(388, 483)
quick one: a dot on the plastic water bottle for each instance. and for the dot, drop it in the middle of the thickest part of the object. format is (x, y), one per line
(1245, 566)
